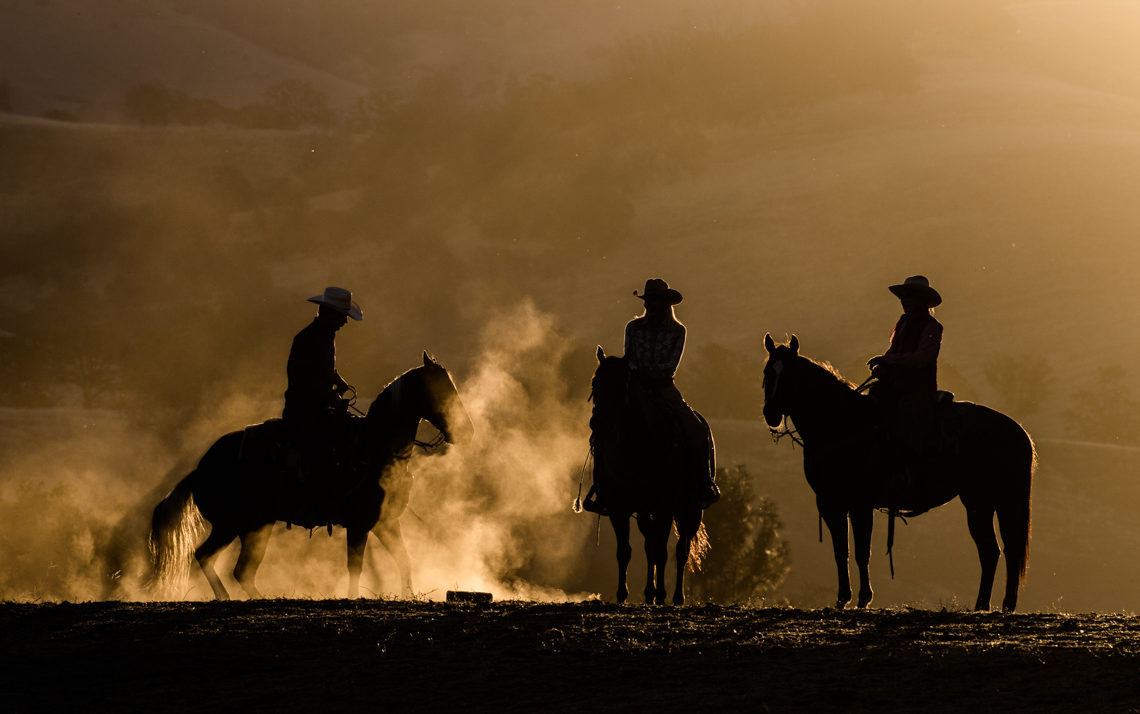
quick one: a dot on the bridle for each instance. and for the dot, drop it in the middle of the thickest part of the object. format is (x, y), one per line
(785, 430)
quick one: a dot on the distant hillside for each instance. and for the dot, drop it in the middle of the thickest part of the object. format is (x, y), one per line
(80, 61)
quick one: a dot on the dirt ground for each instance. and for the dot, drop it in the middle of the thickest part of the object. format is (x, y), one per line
(293, 655)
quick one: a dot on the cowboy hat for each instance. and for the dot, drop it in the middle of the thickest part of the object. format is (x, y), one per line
(340, 300)
(658, 289)
(919, 287)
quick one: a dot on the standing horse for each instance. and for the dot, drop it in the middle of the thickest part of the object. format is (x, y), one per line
(644, 472)
(239, 486)
(989, 467)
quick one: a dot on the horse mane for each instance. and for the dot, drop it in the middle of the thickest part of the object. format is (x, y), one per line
(388, 394)
(830, 370)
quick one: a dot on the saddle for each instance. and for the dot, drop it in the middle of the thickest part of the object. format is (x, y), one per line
(314, 475)
(918, 482)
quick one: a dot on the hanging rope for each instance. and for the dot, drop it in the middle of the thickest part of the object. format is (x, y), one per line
(892, 514)
(577, 507)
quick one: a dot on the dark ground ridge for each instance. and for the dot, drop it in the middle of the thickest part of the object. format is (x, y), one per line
(297, 655)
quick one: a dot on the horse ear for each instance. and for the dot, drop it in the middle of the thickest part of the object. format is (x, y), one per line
(794, 344)
(601, 353)
(427, 359)
(769, 343)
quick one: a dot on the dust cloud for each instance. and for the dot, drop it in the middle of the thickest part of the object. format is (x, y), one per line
(482, 514)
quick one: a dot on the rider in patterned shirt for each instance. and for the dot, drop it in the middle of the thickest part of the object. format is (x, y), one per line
(654, 343)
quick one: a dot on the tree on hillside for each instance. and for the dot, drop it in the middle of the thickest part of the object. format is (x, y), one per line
(155, 104)
(1107, 412)
(1024, 382)
(748, 557)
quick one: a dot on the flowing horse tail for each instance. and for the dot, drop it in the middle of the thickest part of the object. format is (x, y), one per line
(175, 527)
(1018, 512)
(700, 544)
(698, 548)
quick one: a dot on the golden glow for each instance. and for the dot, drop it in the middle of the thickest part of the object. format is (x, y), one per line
(492, 184)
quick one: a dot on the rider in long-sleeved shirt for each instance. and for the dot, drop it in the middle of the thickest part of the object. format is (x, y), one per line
(313, 397)
(908, 370)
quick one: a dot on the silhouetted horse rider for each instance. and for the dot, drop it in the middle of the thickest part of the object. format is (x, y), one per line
(654, 343)
(315, 413)
(907, 373)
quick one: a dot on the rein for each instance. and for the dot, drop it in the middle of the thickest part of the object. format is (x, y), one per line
(791, 432)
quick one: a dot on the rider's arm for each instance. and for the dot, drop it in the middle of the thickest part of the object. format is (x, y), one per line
(929, 343)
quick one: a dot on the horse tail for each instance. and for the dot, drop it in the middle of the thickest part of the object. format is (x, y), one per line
(698, 548)
(1015, 514)
(175, 528)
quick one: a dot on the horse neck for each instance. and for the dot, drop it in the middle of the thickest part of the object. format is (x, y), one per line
(827, 405)
(394, 415)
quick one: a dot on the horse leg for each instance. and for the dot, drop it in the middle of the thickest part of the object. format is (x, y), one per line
(392, 538)
(686, 530)
(656, 539)
(207, 553)
(981, 522)
(836, 520)
(862, 519)
(253, 544)
(620, 523)
(357, 540)
(645, 526)
(662, 552)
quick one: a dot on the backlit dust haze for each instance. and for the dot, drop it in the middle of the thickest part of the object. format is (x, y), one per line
(493, 180)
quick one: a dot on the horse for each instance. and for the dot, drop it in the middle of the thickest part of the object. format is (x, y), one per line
(643, 474)
(241, 489)
(989, 466)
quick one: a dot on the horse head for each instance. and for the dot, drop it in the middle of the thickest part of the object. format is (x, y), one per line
(778, 384)
(442, 407)
(428, 393)
(610, 381)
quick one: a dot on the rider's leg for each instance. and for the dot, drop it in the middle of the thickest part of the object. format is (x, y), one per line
(698, 439)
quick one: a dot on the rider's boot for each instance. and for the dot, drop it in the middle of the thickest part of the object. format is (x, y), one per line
(594, 503)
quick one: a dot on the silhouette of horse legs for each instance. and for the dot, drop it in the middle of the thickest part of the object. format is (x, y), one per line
(981, 523)
(836, 517)
(253, 544)
(655, 530)
(1013, 522)
(388, 532)
(862, 520)
(624, 553)
(687, 526)
(207, 553)
(357, 540)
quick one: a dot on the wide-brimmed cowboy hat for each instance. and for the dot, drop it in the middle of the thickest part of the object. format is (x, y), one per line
(658, 289)
(340, 300)
(917, 286)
